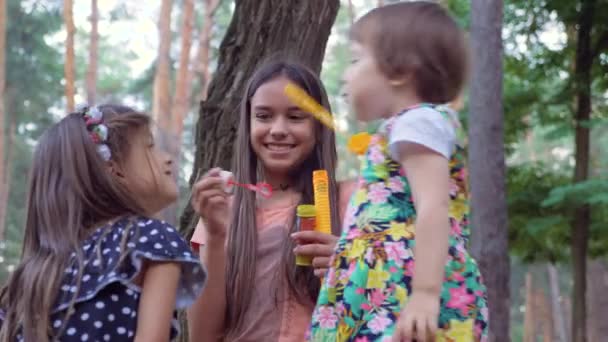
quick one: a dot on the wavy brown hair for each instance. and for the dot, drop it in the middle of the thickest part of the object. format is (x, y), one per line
(421, 38)
(70, 194)
(242, 240)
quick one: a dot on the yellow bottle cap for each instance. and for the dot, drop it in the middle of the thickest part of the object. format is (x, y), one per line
(319, 175)
(306, 210)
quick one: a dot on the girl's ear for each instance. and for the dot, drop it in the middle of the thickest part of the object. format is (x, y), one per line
(115, 170)
(401, 80)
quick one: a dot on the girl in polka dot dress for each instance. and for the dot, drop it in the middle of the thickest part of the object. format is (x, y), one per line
(95, 266)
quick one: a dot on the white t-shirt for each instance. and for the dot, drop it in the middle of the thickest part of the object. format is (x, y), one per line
(424, 126)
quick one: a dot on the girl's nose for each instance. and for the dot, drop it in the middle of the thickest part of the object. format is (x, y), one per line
(278, 129)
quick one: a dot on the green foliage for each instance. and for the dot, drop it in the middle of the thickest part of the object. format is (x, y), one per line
(34, 68)
(536, 232)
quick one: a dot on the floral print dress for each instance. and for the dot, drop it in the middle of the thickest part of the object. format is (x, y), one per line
(370, 277)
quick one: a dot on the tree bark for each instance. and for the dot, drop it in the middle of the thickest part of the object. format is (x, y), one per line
(529, 322)
(181, 100)
(5, 189)
(582, 215)
(2, 96)
(487, 162)
(597, 300)
(351, 12)
(68, 67)
(93, 52)
(559, 322)
(258, 30)
(161, 103)
(546, 316)
(204, 47)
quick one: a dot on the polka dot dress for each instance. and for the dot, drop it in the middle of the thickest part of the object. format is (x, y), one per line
(106, 302)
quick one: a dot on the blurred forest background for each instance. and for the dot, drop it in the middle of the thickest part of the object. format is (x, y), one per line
(182, 61)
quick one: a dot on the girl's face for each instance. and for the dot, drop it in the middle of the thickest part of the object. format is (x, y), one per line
(148, 173)
(367, 89)
(282, 135)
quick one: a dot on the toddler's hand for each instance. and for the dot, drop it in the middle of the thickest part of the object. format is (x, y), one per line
(318, 245)
(210, 201)
(418, 319)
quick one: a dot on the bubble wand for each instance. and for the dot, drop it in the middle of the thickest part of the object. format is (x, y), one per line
(263, 189)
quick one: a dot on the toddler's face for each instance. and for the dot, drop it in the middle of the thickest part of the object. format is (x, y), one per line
(367, 89)
(148, 173)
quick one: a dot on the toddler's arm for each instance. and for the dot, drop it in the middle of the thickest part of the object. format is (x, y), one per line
(428, 175)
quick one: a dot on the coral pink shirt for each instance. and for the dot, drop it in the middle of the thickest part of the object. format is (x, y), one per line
(274, 314)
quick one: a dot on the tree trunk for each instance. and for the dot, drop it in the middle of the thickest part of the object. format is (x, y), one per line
(597, 300)
(204, 47)
(93, 51)
(181, 100)
(559, 323)
(2, 96)
(529, 314)
(68, 67)
(380, 3)
(161, 103)
(546, 317)
(582, 215)
(487, 162)
(351, 12)
(258, 30)
(5, 190)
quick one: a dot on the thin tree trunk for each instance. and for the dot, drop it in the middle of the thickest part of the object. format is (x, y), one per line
(93, 51)
(582, 215)
(487, 162)
(68, 67)
(6, 180)
(161, 106)
(546, 318)
(597, 300)
(258, 30)
(351, 12)
(529, 322)
(181, 104)
(204, 47)
(2, 99)
(559, 322)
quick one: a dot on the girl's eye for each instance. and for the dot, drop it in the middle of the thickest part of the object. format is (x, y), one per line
(262, 116)
(298, 116)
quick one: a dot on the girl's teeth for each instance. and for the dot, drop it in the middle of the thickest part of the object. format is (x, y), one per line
(279, 148)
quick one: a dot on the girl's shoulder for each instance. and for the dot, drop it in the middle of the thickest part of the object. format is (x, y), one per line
(119, 252)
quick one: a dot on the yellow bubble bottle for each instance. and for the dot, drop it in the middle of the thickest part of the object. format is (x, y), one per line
(306, 220)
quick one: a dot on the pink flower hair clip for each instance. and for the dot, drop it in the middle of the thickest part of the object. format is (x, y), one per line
(98, 131)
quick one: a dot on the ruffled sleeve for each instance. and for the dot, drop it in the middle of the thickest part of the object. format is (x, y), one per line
(117, 254)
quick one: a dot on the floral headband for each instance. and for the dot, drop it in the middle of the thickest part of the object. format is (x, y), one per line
(98, 131)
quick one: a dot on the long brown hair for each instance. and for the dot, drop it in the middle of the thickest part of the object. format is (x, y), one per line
(242, 240)
(70, 193)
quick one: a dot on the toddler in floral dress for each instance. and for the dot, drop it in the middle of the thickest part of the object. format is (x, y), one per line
(401, 270)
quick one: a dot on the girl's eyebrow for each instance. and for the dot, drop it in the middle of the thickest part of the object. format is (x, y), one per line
(262, 107)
